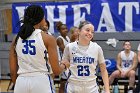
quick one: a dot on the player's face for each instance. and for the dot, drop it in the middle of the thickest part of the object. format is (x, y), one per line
(127, 46)
(43, 25)
(75, 33)
(87, 32)
(64, 30)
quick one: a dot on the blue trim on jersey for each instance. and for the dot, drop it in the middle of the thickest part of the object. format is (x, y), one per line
(66, 86)
(69, 74)
(50, 83)
(48, 67)
(46, 59)
(60, 53)
(65, 74)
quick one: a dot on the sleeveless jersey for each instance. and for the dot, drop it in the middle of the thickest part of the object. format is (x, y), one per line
(32, 54)
(83, 63)
(64, 41)
(126, 60)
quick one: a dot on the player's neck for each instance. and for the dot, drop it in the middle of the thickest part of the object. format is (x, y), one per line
(127, 51)
(83, 43)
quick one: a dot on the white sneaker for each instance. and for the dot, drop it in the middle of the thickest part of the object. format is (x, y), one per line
(130, 91)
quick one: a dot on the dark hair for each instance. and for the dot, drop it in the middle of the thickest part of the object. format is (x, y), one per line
(58, 25)
(83, 23)
(125, 42)
(32, 16)
(48, 23)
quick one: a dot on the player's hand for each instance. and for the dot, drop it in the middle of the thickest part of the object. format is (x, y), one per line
(66, 62)
(122, 74)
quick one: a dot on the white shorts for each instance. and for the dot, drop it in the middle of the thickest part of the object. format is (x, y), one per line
(81, 87)
(125, 69)
(34, 84)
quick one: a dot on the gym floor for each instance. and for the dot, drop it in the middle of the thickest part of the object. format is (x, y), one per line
(5, 83)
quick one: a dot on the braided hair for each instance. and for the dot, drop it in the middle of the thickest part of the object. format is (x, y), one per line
(32, 16)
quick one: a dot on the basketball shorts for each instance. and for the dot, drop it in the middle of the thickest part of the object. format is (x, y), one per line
(39, 83)
(81, 87)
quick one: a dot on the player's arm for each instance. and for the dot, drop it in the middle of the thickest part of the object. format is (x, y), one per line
(13, 62)
(50, 43)
(60, 44)
(104, 72)
(134, 63)
(139, 56)
(119, 62)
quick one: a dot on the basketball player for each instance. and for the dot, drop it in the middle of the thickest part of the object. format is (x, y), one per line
(62, 41)
(28, 55)
(126, 65)
(84, 55)
(74, 34)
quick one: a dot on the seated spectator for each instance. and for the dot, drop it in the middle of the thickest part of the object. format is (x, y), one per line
(126, 65)
(137, 90)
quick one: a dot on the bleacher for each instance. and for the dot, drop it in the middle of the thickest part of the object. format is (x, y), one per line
(4, 60)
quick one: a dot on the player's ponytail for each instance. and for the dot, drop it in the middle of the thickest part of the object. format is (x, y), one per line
(33, 15)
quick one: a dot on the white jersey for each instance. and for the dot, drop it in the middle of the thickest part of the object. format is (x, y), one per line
(83, 60)
(64, 40)
(32, 54)
(126, 60)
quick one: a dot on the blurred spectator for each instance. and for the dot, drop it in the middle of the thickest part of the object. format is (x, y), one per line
(74, 33)
(126, 65)
(137, 90)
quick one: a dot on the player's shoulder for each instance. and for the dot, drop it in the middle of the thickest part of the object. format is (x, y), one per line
(71, 44)
(48, 38)
(95, 44)
(133, 52)
(59, 37)
(121, 53)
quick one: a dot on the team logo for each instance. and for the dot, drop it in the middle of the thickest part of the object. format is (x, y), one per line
(74, 49)
(108, 63)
